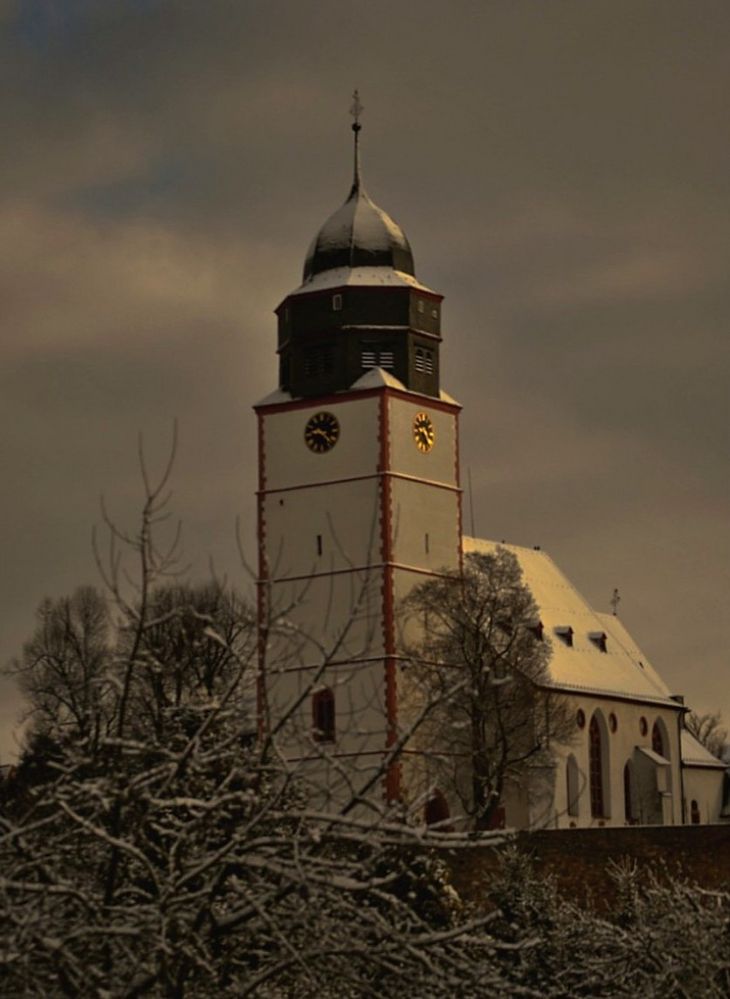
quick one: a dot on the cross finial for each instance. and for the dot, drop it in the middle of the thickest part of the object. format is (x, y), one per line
(615, 601)
(356, 109)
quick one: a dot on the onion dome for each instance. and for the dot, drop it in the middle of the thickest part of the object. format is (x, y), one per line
(359, 234)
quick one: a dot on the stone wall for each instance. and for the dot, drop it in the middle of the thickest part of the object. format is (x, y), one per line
(579, 858)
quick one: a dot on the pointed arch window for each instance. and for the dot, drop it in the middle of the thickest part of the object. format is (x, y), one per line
(657, 739)
(323, 715)
(573, 781)
(629, 813)
(595, 755)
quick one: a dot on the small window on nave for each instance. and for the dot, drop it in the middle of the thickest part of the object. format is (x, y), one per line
(323, 715)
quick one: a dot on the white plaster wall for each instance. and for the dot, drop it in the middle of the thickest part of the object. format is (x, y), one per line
(359, 707)
(335, 609)
(346, 515)
(289, 462)
(418, 510)
(438, 464)
(621, 746)
(705, 786)
(327, 618)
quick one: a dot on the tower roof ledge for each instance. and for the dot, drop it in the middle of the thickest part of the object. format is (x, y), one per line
(374, 277)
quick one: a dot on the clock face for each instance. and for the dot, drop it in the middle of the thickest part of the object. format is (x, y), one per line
(423, 432)
(321, 432)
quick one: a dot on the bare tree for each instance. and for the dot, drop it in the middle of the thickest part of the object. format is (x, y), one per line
(178, 857)
(64, 667)
(495, 729)
(710, 731)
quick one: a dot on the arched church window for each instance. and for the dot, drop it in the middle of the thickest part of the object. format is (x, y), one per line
(629, 795)
(657, 739)
(323, 715)
(573, 781)
(596, 750)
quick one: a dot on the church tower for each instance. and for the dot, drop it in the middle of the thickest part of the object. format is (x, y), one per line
(359, 496)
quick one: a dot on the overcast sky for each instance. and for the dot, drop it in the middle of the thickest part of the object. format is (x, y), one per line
(561, 170)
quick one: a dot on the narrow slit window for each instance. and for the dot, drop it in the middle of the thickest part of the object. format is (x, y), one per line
(319, 544)
(337, 303)
(426, 543)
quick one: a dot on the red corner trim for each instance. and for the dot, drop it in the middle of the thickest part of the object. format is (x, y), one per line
(392, 776)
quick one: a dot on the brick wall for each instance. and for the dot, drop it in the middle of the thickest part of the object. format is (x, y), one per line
(578, 858)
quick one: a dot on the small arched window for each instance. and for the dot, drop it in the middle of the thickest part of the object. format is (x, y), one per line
(573, 785)
(323, 715)
(596, 751)
(694, 813)
(436, 809)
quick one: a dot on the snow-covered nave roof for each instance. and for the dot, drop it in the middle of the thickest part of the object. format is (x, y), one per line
(623, 670)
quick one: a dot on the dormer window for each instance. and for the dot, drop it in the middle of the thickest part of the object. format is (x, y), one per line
(599, 639)
(537, 629)
(337, 303)
(565, 634)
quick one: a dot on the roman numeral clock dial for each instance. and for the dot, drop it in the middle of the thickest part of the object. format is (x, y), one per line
(321, 432)
(424, 434)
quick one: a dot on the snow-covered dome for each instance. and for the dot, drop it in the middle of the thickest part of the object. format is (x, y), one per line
(359, 234)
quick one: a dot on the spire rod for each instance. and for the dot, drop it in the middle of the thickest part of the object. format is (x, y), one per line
(356, 109)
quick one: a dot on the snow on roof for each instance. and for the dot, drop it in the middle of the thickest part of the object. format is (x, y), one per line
(278, 395)
(375, 378)
(339, 277)
(694, 754)
(622, 670)
(661, 761)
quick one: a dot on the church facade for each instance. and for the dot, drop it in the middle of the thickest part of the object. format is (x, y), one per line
(359, 500)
